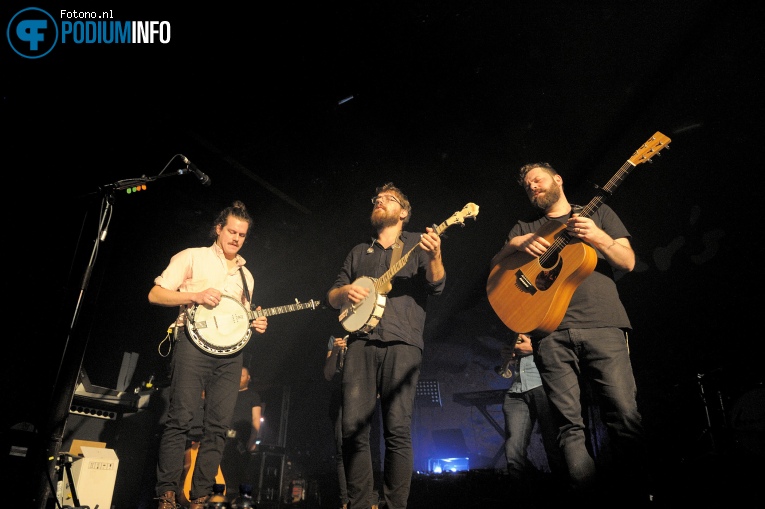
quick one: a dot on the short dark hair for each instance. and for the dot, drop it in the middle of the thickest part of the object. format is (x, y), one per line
(526, 168)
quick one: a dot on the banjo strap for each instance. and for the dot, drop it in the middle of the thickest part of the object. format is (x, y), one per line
(398, 248)
(244, 285)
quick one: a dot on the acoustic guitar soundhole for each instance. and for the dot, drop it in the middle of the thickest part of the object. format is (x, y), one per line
(547, 278)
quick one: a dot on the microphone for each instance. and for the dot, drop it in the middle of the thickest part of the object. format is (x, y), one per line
(203, 178)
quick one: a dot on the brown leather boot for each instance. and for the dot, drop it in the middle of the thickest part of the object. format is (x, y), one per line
(167, 501)
(199, 503)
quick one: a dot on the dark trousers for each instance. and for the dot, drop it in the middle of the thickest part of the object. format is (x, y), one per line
(392, 371)
(602, 357)
(336, 415)
(193, 371)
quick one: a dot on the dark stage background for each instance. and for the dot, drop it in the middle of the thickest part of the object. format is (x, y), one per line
(301, 112)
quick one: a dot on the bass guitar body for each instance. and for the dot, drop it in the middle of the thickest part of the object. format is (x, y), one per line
(531, 295)
(189, 461)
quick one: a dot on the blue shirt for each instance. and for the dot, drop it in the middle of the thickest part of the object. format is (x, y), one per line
(527, 377)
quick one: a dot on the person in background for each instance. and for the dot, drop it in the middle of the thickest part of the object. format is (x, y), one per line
(242, 436)
(385, 359)
(333, 366)
(333, 372)
(590, 345)
(201, 276)
(525, 405)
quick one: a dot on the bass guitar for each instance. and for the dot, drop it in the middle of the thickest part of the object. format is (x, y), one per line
(364, 316)
(531, 294)
(225, 329)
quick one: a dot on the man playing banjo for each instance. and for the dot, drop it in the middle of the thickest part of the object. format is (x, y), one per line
(202, 276)
(385, 346)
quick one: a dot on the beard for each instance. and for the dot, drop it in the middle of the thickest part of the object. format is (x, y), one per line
(382, 219)
(550, 197)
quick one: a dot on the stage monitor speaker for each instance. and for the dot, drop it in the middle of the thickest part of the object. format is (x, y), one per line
(87, 427)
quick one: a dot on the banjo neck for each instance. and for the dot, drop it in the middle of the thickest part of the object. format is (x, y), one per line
(278, 310)
(225, 329)
(363, 316)
(383, 283)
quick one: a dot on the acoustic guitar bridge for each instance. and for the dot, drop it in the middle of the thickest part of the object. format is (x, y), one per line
(524, 283)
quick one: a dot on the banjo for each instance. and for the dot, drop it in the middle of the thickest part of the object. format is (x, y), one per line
(225, 329)
(364, 316)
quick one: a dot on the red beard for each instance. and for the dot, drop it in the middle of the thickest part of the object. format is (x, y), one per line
(381, 218)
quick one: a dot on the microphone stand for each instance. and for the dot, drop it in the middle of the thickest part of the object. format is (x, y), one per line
(75, 345)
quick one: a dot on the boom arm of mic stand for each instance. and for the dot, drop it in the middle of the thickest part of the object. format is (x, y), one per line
(143, 179)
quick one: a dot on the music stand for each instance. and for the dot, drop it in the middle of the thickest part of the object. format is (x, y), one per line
(428, 394)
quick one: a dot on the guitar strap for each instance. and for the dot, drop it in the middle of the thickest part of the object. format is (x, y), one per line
(244, 284)
(398, 248)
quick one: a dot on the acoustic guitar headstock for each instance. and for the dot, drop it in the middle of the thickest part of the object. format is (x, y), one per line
(650, 148)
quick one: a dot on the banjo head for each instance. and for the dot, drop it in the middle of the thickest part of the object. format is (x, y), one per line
(221, 330)
(364, 316)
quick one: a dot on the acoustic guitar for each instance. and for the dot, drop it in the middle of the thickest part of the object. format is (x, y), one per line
(531, 294)
(365, 315)
(190, 459)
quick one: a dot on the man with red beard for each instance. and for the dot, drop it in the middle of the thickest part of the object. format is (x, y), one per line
(384, 353)
(589, 346)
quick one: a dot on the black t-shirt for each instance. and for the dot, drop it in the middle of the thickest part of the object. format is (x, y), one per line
(235, 464)
(242, 420)
(596, 301)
